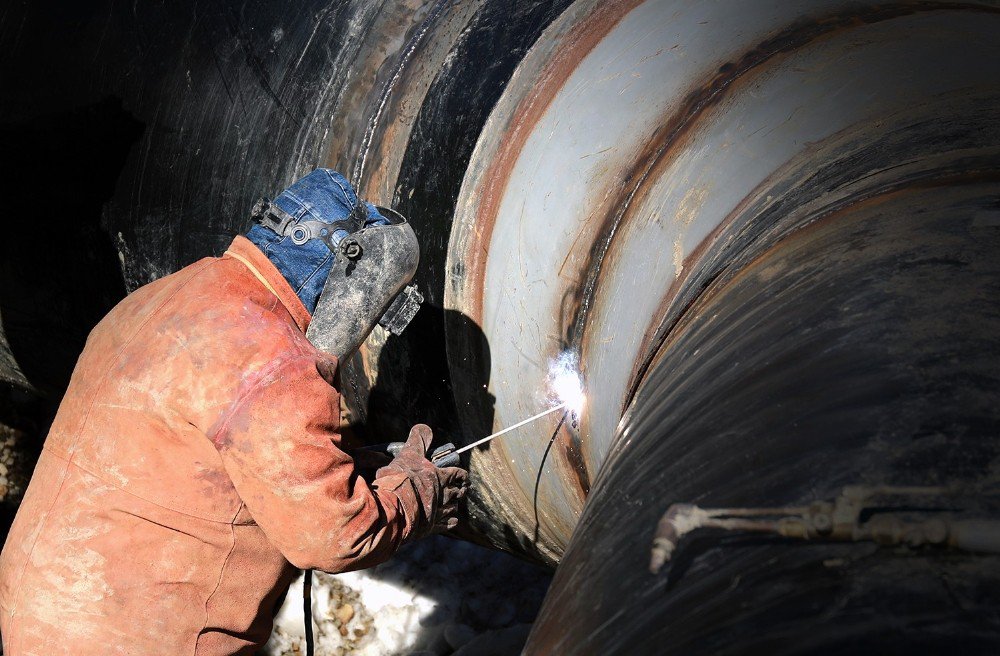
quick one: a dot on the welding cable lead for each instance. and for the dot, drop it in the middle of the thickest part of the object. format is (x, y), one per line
(837, 521)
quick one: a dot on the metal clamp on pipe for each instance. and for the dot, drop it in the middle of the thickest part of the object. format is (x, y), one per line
(836, 521)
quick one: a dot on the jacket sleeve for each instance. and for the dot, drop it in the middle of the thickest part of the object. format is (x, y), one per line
(281, 448)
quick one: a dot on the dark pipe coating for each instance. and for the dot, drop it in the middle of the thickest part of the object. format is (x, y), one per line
(861, 349)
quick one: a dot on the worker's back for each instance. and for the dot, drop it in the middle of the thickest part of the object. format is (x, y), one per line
(195, 461)
(131, 537)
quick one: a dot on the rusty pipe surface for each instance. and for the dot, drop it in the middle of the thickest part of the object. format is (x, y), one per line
(849, 393)
(618, 173)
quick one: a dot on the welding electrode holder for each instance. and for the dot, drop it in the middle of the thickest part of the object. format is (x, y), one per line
(443, 456)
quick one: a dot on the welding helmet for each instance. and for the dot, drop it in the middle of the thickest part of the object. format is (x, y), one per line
(373, 254)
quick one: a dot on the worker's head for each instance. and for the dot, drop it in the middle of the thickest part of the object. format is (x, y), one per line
(346, 259)
(314, 207)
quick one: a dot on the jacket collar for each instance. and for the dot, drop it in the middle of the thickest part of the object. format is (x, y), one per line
(244, 250)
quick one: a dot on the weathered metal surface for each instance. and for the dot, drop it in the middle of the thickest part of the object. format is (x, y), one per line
(861, 349)
(630, 134)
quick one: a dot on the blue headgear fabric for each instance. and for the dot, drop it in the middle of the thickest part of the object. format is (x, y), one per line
(326, 196)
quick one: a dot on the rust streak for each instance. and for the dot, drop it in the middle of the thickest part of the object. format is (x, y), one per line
(583, 38)
(666, 139)
(569, 450)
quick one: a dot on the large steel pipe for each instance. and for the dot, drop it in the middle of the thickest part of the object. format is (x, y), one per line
(644, 149)
(780, 263)
(860, 350)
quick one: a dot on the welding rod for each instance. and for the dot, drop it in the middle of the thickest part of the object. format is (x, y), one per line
(510, 428)
(447, 455)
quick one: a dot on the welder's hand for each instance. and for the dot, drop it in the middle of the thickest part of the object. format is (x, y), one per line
(439, 488)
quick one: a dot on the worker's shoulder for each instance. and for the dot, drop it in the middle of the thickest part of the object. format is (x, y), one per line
(135, 310)
(212, 301)
(223, 293)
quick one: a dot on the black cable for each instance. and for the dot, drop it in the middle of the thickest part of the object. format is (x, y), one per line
(307, 610)
(541, 468)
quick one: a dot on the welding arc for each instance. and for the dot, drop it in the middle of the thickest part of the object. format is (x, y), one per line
(510, 428)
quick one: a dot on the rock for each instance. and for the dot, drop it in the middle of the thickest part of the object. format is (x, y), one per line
(433, 641)
(489, 612)
(344, 613)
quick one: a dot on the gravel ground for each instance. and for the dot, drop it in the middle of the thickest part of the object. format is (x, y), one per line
(436, 597)
(14, 470)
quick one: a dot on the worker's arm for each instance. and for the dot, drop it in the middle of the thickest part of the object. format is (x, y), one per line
(281, 448)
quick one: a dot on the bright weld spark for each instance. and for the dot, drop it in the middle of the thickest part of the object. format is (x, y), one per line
(566, 387)
(565, 382)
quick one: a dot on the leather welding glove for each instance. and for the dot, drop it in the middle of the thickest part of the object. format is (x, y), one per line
(439, 489)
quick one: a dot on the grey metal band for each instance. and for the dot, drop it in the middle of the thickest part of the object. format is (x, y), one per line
(271, 216)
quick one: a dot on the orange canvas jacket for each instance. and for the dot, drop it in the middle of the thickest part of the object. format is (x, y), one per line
(193, 465)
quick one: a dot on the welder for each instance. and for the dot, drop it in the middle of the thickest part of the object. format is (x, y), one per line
(195, 463)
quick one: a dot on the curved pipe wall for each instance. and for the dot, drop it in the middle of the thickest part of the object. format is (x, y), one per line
(642, 150)
(766, 229)
(860, 350)
(780, 265)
